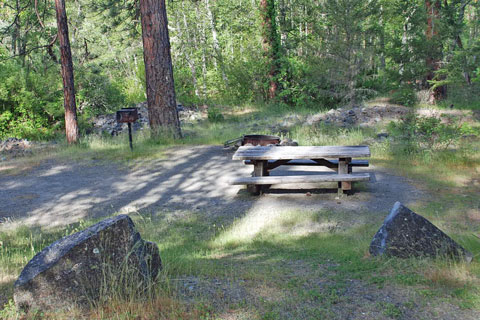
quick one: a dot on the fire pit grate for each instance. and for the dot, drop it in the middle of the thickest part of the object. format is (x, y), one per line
(253, 139)
(128, 116)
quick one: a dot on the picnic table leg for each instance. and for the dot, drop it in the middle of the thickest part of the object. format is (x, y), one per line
(343, 168)
(259, 170)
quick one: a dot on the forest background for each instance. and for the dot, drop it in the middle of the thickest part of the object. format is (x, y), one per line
(312, 54)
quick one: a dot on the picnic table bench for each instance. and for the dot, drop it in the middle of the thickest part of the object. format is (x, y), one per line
(337, 158)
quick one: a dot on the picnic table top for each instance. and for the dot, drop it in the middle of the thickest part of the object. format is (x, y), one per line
(290, 153)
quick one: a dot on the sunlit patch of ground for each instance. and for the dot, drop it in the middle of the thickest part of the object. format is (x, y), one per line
(18, 167)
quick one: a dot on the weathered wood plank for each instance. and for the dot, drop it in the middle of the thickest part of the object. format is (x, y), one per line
(343, 169)
(306, 162)
(301, 179)
(259, 170)
(312, 152)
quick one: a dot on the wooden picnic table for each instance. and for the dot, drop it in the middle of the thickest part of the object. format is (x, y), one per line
(337, 158)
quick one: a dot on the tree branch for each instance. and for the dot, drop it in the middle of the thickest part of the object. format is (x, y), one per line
(38, 15)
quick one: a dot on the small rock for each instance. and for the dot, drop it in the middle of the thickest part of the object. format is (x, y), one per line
(382, 136)
(469, 137)
(288, 142)
(406, 234)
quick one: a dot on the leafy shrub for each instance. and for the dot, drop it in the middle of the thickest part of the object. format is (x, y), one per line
(214, 114)
(463, 97)
(418, 133)
(28, 108)
(96, 94)
(404, 96)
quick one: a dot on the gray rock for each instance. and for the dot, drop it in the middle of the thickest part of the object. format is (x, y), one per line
(107, 123)
(406, 234)
(78, 269)
(350, 120)
(314, 118)
(382, 135)
(288, 142)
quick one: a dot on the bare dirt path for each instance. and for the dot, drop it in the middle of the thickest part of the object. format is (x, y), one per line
(187, 178)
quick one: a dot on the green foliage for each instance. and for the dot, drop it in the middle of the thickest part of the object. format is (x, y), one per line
(325, 53)
(214, 114)
(405, 96)
(9, 310)
(463, 97)
(134, 88)
(96, 94)
(29, 108)
(390, 310)
(424, 134)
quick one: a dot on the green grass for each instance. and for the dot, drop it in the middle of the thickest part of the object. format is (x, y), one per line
(280, 258)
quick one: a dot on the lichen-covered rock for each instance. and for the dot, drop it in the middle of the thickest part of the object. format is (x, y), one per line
(406, 234)
(77, 269)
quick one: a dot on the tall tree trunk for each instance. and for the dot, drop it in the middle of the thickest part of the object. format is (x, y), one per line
(162, 108)
(188, 55)
(16, 28)
(203, 40)
(218, 58)
(71, 126)
(458, 39)
(271, 44)
(433, 61)
(382, 41)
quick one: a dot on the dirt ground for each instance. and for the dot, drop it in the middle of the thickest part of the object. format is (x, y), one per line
(193, 178)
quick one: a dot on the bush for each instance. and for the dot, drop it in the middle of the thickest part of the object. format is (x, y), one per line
(416, 134)
(96, 94)
(214, 114)
(28, 108)
(463, 97)
(404, 96)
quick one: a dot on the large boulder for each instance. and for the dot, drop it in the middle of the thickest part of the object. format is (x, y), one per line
(406, 234)
(79, 269)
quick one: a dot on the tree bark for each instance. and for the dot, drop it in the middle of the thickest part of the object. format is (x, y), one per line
(458, 39)
(71, 126)
(382, 41)
(16, 28)
(271, 44)
(162, 108)
(433, 61)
